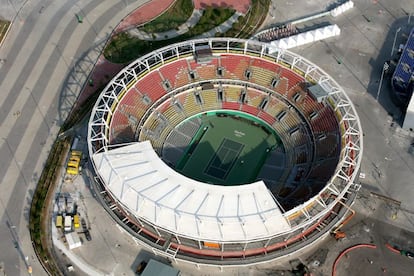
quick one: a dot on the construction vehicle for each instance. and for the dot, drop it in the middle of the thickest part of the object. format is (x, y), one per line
(76, 153)
(336, 232)
(68, 223)
(74, 162)
(76, 221)
(73, 166)
(59, 221)
(339, 234)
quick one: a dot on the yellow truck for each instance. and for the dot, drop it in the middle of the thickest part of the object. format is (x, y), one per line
(76, 153)
(59, 221)
(76, 221)
(73, 163)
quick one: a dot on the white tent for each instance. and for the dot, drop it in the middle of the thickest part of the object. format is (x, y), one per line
(283, 43)
(409, 116)
(318, 34)
(151, 190)
(292, 42)
(306, 37)
(342, 8)
(332, 30)
(73, 240)
(301, 39)
(309, 37)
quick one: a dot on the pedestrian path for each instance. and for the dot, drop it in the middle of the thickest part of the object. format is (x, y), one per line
(191, 22)
(78, 262)
(105, 70)
(242, 6)
(182, 29)
(223, 27)
(143, 14)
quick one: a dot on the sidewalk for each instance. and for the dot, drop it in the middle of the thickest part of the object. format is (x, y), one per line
(143, 14)
(192, 21)
(182, 29)
(241, 6)
(86, 268)
(104, 70)
(223, 27)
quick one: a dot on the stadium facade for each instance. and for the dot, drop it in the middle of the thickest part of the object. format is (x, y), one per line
(148, 115)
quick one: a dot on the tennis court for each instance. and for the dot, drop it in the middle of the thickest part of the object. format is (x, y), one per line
(228, 149)
(223, 160)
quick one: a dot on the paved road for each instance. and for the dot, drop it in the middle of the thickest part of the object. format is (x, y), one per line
(48, 56)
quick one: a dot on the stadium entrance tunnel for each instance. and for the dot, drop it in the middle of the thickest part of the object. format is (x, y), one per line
(278, 137)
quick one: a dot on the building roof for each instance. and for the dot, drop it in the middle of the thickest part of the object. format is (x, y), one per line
(318, 92)
(409, 115)
(157, 268)
(73, 240)
(151, 190)
(405, 67)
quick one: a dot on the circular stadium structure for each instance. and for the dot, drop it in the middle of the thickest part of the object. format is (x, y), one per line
(225, 151)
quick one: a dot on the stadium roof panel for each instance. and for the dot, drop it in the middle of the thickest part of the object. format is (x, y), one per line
(152, 190)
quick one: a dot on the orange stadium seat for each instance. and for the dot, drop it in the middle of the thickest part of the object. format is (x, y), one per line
(325, 121)
(235, 66)
(174, 71)
(231, 105)
(250, 109)
(267, 117)
(255, 97)
(282, 86)
(293, 77)
(151, 85)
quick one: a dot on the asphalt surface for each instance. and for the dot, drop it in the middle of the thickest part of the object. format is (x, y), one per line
(47, 57)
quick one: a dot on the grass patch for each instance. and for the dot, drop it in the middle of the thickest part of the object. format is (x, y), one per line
(211, 18)
(4, 26)
(175, 16)
(44, 193)
(124, 48)
(246, 26)
(39, 209)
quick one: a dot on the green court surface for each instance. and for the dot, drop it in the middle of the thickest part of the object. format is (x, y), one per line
(228, 150)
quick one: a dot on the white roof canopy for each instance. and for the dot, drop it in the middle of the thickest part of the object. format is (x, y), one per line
(153, 191)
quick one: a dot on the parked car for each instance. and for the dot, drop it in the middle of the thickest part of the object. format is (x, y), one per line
(141, 267)
(87, 235)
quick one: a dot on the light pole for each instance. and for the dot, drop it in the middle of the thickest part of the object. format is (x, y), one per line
(384, 68)
(17, 245)
(395, 39)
